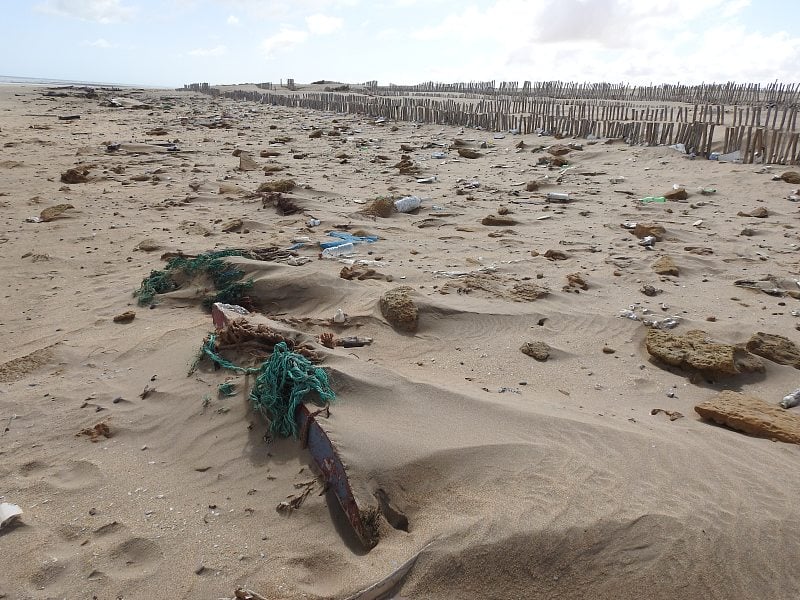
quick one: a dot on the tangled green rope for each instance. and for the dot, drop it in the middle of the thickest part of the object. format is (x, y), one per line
(225, 277)
(281, 385)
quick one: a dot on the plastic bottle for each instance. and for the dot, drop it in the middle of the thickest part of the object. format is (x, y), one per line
(345, 249)
(407, 204)
(649, 199)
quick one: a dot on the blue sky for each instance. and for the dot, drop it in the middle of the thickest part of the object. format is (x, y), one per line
(172, 42)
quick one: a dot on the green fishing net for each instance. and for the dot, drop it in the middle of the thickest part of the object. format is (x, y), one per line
(226, 278)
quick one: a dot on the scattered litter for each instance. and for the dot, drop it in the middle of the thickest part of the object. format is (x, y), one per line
(407, 204)
(432, 179)
(791, 400)
(558, 196)
(337, 250)
(353, 342)
(734, 157)
(9, 513)
(650, 199)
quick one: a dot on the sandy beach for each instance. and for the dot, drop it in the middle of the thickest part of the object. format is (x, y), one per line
(546, 474)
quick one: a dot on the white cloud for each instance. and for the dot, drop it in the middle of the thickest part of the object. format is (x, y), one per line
(612, 40)
(735, 7)
(100, 11)
(284, 9)
(215, 51)
(286, 38)
(98, 43)
(233, 20)
(320, 24)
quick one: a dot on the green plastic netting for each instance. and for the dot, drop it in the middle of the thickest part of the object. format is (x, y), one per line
(226, 278)
(282, 383)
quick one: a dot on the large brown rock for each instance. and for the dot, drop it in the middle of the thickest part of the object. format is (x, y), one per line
(775, 348)
(666, 266)
(695, 352)
(751, 415)
(399, 309)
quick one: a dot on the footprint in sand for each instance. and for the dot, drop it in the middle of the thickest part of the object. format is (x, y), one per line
(134, 556)
(75, 475)
(49, 573)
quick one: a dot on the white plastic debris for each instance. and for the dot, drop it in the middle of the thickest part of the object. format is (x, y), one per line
(339, 316)
(407, 204)
(8, 513)
(791, 400)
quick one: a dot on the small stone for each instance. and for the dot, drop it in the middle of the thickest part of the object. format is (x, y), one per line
(608, 350)
(576, 280)
(50, 213)
(649, 290)
(538, 350)
(556, 255)
(559, 150)
(666, 266)
(75, 176)
(759, 213)
(232, 225)
(126, 317)
(676, 194)
(791, 177)
(498, 220)
(643, 230)
(399, 309)
(199, 569)
(246, 163)
(747, 232)
(469, 153)
(148, 245)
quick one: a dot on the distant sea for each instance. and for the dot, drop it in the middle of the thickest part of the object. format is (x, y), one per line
(14, 80)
